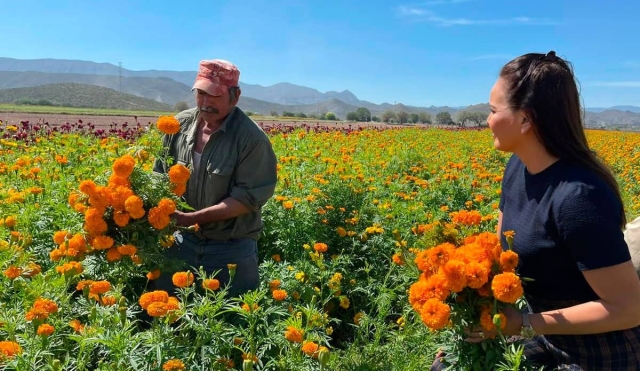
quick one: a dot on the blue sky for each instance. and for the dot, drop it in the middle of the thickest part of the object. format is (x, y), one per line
(434, 52)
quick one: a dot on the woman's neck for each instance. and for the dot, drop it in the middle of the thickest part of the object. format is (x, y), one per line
(535, 157)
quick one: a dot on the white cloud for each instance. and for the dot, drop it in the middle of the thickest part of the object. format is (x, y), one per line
(618, 84)
(408, 11)
(420, 14)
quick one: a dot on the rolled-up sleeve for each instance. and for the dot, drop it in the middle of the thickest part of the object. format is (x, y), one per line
(256, 175)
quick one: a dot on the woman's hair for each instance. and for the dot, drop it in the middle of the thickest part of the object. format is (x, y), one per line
(544, 87)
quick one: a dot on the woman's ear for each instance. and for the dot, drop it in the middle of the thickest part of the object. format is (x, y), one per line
(526, 124)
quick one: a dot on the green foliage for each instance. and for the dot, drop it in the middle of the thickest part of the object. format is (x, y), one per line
(444, 118)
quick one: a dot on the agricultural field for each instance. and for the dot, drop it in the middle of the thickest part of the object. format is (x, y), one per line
(353, 208)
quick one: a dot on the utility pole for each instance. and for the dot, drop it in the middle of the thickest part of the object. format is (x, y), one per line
(120, 73)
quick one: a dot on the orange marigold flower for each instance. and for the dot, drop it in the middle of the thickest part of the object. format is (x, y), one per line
(9, 349)
(120, 196)
(133, 203)
(102, 242)
(179, 174)
(276, 257)
(310, 348)
(182, 279)
(274, 284)
(153, 275)
(320, 247)
(71, 268)
(87, 187)
(508, 261)
(157, 309)
(398, 259)
(127, 249)
(113, 255)
(108, 300)
(435, 314)
(279, 295)
(486, 320)
(294, 335)
(433, 287)
(246, 307)
(76, 325)
(168, 125)
(454, 272)
(121, 218)
(99, 287)
(13, 272)
(158, 219)
(178, 189)
(507, 287)
(45, 330)
(10, 221)
(56, 254)
(172, 303)
(477, 275)
(123, 166)
(117, 181)
(211, 284)
(149, 297)
(167, 206)
(49, 306)
(60, 236)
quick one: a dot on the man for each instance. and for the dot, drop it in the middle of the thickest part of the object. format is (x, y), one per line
(233, 174)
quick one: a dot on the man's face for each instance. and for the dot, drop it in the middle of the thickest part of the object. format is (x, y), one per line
(214, 109)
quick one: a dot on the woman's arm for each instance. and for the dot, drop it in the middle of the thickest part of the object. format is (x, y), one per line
(618, 308)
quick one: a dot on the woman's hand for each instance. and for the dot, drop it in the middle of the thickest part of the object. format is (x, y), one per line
(512, 327)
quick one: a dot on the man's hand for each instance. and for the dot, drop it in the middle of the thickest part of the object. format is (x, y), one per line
(183, 219)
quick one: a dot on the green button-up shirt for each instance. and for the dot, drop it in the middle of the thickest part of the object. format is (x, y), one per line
(237, 161)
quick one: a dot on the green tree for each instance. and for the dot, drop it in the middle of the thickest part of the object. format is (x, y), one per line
(274, 113)
(414, 118)
(444, 118)
(474, 117)
(388, 116)
(363, 114)
(425, 117)
(301, 115)
(330, 116)
(403, 117)
(375, 118)
(352, 116)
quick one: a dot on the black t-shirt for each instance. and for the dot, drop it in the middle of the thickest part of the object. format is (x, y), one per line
(566, 220)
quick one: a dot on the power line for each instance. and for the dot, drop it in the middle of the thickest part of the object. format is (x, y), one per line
(120, 73)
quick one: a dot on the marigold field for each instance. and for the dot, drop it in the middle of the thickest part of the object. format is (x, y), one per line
(351, 210)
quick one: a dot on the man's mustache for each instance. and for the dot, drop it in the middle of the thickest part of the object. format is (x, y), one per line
(209, 109)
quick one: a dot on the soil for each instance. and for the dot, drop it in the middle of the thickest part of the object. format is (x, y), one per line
(54, 119)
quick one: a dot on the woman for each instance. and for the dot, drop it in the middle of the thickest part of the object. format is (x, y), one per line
(565, 208)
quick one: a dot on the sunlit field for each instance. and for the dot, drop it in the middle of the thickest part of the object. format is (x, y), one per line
(351, 210)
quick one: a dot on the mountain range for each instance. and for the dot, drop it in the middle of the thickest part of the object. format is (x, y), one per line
(170, 87)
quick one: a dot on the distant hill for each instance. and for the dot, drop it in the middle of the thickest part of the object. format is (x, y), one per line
(79, 95)
(171, 87)
(161, 89)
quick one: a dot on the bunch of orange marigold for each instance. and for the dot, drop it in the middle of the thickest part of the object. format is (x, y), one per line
(468, 284)
(134, 202)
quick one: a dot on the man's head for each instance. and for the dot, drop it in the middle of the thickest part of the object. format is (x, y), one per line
(217, 90)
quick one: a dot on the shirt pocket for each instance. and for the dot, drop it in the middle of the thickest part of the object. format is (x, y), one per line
(217, 182)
